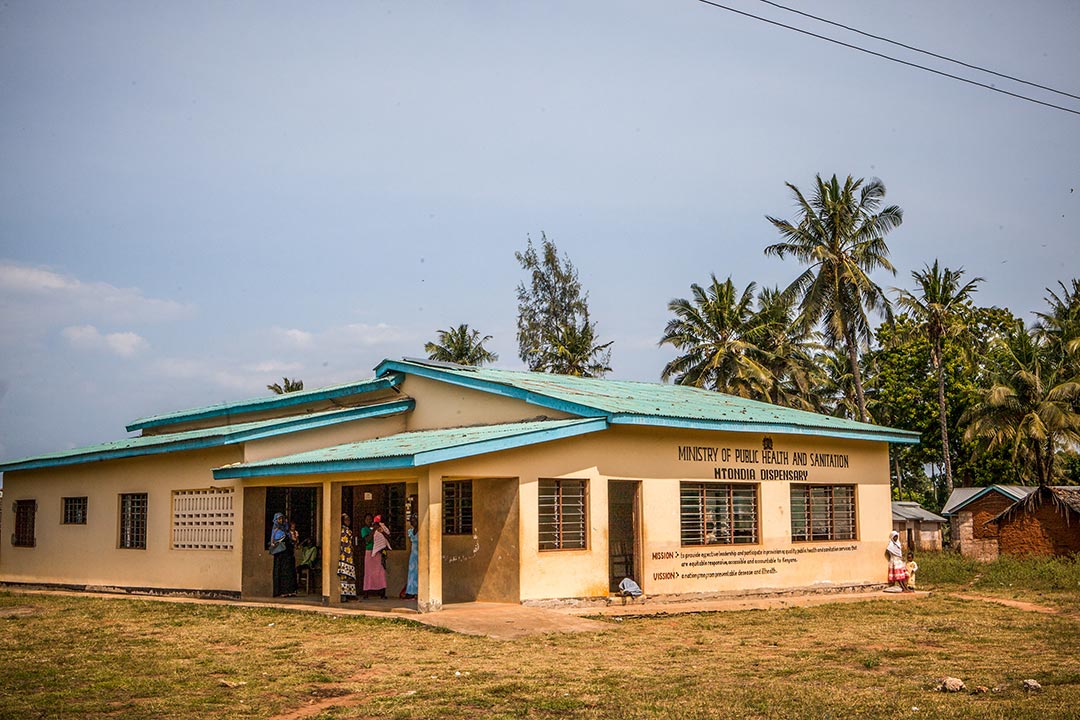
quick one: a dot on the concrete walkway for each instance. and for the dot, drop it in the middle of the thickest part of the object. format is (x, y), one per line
(502, 621)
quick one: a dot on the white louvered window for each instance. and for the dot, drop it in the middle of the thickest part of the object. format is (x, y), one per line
(562, 515)
(202, 519)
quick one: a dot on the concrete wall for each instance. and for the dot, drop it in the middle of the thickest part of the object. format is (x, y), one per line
(651, 456)
(90, 554)
(484, 566)
(348, 432)
(440, 405)
(1049, 530)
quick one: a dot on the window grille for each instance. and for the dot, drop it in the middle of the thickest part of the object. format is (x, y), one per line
(718, 514)
(133, 520)
(457, 507)
(75, 511)
(822, 512)
(25, 512)
(202, 519)
(562, 514)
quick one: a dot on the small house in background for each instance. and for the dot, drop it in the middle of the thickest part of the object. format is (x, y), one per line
(919, 529)
(1046, 522)
(969, 511)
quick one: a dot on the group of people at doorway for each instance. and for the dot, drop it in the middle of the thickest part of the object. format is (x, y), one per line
(364, 554)
(284, 541)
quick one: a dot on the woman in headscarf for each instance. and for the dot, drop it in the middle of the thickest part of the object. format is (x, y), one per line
(281, 547)
(374, 570)
(898, 572)
(346, 568)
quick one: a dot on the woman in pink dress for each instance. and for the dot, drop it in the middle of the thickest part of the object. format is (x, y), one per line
(374, 569)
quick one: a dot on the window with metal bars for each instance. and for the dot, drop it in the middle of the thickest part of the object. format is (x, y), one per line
(822, 512)
(25, 514)
(457, 507)
(133, 520)
(562, 515)
(202, 519)
(718, 514)
(74, 511)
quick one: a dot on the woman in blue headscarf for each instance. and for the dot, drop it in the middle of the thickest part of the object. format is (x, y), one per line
(282, 549)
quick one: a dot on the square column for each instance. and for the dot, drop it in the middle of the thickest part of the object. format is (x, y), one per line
(331, 539)
(429, 533)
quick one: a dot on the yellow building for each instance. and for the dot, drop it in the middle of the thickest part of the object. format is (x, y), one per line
(528, 488)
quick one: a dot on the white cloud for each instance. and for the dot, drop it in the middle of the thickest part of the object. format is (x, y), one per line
(88, 337)
(34, 297)
(293, 337)
(371, 335)
(274, 366)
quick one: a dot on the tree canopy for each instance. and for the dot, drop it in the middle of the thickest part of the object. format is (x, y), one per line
(460, 345)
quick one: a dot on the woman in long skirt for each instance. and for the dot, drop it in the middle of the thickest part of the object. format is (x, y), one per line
(281, 547)
(898, 572)
(346, 569)
(411, 585)
(374, 571)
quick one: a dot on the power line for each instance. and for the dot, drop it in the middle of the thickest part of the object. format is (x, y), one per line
(919, 50)
(889, 57)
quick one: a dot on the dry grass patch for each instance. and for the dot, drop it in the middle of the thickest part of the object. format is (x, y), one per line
(79, 657)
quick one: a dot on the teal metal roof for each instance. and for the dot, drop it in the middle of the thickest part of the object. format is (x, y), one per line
(274, 402)
(640, 403)
(415, 449)
(207, 437)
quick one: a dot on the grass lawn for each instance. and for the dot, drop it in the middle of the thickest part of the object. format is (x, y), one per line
(68, 657)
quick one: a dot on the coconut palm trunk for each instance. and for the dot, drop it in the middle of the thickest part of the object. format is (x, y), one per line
(943, 416)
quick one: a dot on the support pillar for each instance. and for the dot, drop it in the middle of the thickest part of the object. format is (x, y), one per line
(429, 572)
(331, 537)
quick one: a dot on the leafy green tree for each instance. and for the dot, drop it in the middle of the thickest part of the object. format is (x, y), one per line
(714, 332)
(553, 316)
(460, 345)
(942, 309)
(286, 386)
(840, 236)
(1060, 327)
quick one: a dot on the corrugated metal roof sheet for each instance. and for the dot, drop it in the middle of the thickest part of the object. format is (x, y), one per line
(904, 510)
(272, 402)
(648, 403)
(962, 496)
(206, 437)
(417, 448)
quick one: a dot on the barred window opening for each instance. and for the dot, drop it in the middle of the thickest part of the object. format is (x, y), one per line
(133, 520)
(457, 507)
(562, 515)
(25, 515)
(822, 512)
(203, 519)
(75, 510)
(718, 514)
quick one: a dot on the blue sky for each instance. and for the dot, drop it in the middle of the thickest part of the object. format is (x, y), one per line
(198, 198)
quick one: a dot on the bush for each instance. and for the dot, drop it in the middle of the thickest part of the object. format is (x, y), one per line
(946, 568)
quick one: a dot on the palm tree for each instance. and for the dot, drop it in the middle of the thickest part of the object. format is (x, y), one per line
(714, 331)
(941, 309)
(573, 351)
(286, 386)
(787, 351)
(1060, 327)
(1033, 409)
(835, 391)
(460, 345)
(840, 235)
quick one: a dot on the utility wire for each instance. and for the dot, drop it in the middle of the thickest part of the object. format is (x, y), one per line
(918, 50)
(889, 57)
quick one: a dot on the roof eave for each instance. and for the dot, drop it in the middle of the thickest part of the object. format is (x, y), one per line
(274, 403)
(880, 435)
(285, 427)
(419, 459)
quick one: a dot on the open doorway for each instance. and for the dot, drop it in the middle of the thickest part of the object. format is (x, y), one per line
(624, 532)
